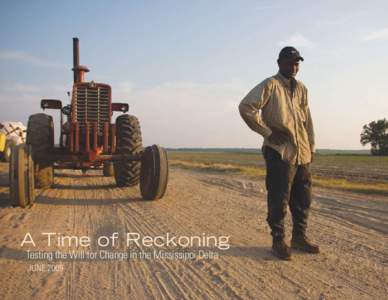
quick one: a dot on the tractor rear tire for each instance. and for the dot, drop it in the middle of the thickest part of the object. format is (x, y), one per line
(108, 169)
(21, 176)
(40, 135)
(129, 141)
(154, 173)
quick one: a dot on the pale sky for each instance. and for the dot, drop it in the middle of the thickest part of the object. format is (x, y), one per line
(184, 66)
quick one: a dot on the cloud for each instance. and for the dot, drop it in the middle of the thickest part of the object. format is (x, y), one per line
(30, 89)
(380, 34)
(297, 40)
(20, 100)
(187, 114)
(122, 87)
(24, 88)
(267, 6)
(341, 18)
(28, 58)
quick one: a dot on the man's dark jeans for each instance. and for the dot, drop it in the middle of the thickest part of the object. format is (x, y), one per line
(287, 184)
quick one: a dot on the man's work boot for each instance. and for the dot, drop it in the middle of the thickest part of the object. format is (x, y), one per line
(280, 249)
(301, 242)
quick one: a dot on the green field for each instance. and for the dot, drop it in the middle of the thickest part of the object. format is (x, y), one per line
(256, 159)
(352, 172)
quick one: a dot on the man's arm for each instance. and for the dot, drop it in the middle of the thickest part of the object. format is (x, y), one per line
(250, 107)
(309, 124)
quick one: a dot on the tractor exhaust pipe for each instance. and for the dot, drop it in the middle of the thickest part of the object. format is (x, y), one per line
(75, 59)
(79, 71)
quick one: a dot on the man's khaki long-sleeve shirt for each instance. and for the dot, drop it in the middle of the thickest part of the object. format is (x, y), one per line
(272, 105)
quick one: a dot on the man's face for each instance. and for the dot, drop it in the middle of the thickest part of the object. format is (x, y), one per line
(289, 68)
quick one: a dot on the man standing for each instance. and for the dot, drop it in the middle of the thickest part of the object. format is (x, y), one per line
(277, 109)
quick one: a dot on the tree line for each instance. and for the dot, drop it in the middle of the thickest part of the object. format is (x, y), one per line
(376, 133)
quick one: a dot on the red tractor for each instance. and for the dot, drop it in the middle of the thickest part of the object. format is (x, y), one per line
(88, 140)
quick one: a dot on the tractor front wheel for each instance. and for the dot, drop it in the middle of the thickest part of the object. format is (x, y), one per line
(154, 173)
(21, 176)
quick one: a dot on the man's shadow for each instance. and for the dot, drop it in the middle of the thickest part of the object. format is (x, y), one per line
(257, 253)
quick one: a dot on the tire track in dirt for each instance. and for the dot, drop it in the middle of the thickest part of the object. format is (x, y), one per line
(144, 226)
(94, 215)
(220, 269)
(238, 267)
(236, 271)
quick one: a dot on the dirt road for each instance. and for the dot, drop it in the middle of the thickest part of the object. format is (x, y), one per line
(351, 229)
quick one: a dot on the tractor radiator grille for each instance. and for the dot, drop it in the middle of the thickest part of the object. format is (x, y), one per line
(92, 104)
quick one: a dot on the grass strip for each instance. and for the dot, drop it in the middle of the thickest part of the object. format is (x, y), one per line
(325, 182)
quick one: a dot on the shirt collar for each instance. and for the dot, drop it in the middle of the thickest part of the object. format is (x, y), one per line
(284, 80)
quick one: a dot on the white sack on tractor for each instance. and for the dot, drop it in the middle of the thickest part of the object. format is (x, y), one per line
(15, 134)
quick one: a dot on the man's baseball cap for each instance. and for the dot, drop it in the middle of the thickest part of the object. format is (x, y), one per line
(290, 53)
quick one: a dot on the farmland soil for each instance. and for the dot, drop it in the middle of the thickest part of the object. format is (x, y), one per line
(351, 229)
